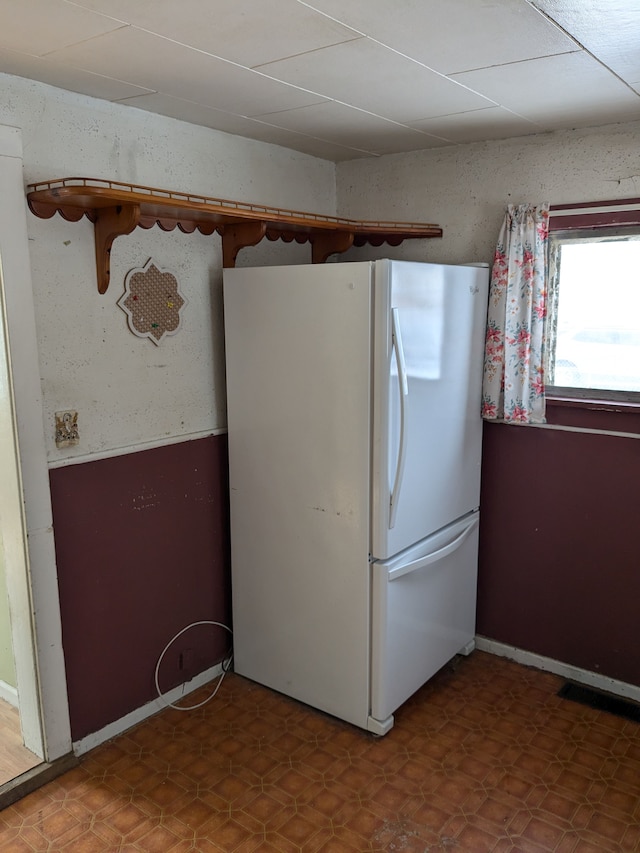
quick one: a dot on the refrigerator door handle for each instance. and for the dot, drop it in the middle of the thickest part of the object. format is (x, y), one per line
(440, 554)
(404, 392)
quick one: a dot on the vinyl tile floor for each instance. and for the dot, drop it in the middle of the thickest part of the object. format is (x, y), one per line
(485, 757)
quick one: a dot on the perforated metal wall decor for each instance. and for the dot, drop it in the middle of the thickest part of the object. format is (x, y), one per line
(152, 302)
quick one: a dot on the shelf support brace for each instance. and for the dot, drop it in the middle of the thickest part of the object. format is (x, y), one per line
(329, 243)
(111, 222)
(239, 235)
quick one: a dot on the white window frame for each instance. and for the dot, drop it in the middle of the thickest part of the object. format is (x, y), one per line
(584, 222)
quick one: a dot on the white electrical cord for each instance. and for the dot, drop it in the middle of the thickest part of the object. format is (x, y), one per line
(225, 667)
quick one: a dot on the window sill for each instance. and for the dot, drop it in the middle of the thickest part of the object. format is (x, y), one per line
(605, 415)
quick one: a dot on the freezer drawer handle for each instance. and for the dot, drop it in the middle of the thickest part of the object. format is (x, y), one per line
(440, 554)
(404, 393)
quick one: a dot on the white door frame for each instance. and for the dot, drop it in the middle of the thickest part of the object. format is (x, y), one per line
(31, 570)
(13, 541)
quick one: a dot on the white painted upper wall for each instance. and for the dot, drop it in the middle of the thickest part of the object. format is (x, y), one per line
(127, 390)
(466, 188)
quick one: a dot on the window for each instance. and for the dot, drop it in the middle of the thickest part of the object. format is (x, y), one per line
(593, 346)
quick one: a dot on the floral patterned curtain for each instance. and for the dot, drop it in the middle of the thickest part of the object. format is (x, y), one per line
(513, 385)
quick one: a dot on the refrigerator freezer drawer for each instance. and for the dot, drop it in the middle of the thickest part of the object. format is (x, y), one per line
(423, 613)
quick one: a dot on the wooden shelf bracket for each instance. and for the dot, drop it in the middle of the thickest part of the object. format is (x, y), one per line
(329, 243)
(111, 222)
(238, 236)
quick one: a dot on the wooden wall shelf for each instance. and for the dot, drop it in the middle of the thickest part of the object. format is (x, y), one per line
(116, 208)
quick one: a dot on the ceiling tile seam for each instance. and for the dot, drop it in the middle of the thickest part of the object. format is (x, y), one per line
(449, 77)
(514, 62)
(128, 101)
(412, 59)
(330, 17)
(64, 64)
(252, 70)
(302, 53)
(240, 64)
(83, 41)
(317, 94)
(553, 22)
(535, 124)
(323, 98)
(20, 53)
(188, 47)
(398, 53)
(232, 61)
(582, 46)
(366, 112)
(55, 64)
(310, 136)
(86, 9)
(259, 117)
(218, 109)
(60, 65)
(322, 138)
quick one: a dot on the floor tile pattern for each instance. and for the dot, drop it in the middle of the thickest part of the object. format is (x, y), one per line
(15, 758)
(486, 757)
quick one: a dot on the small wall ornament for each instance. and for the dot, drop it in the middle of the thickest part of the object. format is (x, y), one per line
(67, 434)
(152, 302)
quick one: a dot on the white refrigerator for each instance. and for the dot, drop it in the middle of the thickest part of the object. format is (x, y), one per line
(353, 394)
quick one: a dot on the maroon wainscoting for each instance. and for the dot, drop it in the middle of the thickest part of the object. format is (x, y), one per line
(142, 547)
(559, 569)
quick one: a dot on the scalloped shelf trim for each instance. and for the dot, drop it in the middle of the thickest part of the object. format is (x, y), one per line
(117, 208)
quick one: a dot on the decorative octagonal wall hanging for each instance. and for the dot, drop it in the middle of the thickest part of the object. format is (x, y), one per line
(152, 302)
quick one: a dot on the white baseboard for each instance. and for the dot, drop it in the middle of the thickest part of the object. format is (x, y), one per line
(132, 719)
(573, 673)
(8, 693)
(565, 670)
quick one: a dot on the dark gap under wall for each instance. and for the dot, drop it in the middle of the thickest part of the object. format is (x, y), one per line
(600, 701)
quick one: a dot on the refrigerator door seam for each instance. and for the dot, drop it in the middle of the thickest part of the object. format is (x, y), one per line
(423, 562)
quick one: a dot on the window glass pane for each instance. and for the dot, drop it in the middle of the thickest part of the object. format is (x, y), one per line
(598, 321)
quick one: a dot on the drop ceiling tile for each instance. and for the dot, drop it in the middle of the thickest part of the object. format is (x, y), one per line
(190, 111)
(308, 144)
(343, 125)
(512, 70)
(491, 123)
(452, 37)
(366, 75)
(613, 38)
(39, 26)
(83, 82)
(159, 64)
(249, 32)
(323, 150)
(193, 113)
(557, 91)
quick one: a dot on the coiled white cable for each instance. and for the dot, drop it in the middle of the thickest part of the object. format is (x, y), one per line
(226, 663)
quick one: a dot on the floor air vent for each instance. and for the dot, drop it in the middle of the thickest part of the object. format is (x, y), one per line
(600, 701)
